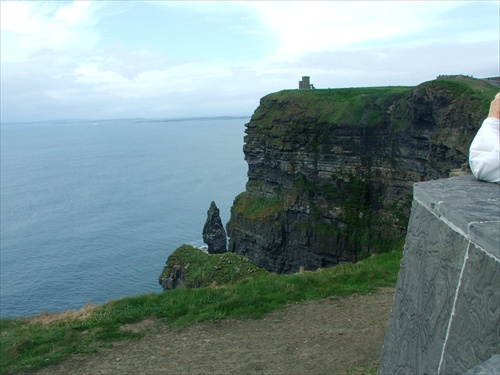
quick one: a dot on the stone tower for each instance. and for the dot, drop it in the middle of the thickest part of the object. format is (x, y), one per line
(305, 84)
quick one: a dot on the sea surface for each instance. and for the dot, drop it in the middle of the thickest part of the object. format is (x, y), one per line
(91, 210)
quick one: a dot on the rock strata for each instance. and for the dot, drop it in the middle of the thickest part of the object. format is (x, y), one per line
(214, 234)
(330, 172)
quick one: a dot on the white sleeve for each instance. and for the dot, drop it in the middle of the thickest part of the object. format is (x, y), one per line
(484, 152)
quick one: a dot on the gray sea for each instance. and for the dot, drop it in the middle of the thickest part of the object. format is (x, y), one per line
(90, 210)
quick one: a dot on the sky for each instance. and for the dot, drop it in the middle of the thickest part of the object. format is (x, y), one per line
(170, 59)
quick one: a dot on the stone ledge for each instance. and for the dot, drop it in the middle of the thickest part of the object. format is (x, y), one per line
(445, 316)
(472, 206)
(489, 367)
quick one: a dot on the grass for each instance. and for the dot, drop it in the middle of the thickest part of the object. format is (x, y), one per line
(201, 269)
(361, 106)
(257, 207)
(464, 86)
(339, 106)
(27, 345)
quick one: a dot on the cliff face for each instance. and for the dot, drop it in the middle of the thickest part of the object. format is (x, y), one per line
(331, 171)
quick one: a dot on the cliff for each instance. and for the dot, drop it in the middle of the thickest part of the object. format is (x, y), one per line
(330, 172)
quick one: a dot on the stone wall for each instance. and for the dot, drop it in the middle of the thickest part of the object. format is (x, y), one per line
(445, 316)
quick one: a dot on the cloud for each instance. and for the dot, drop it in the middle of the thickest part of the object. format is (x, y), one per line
(35, 26)
(141, 59)
(147, 83)
(315, 26)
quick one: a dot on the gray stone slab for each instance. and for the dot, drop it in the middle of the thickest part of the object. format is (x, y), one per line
(423, 304)
(464, 200)
(445, 316)
(474, 334)
(489, 367)
(487, 235)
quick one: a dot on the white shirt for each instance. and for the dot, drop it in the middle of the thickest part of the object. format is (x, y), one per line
(484, 152)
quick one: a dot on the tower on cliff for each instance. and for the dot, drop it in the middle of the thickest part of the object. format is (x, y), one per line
(305, 84)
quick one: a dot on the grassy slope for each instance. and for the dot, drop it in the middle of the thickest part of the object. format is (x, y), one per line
(27, 345)
(346, 105)
(470, 87)
(341, 106)
(201, 269)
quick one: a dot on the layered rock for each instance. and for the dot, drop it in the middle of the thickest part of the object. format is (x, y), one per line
(331, 171)
(214, 234)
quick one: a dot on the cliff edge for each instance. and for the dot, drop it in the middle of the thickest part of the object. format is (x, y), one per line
(330, 172)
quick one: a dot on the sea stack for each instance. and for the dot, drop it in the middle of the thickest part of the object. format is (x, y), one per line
(214, 234)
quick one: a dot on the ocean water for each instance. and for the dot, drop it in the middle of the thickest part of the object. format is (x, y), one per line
(91, 210)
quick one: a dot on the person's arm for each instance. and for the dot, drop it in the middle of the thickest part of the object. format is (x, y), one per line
(484, 153)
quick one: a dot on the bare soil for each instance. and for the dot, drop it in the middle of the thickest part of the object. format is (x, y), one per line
(329, 336)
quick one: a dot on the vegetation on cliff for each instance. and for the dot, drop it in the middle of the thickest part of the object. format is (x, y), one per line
(32, 343)
(365, 105)
(257, 208)
(353, 106)
(193, 268)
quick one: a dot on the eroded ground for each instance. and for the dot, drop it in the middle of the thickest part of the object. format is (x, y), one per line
(330, 336)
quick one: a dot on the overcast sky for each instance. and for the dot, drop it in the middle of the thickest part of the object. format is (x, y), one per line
(154, 59)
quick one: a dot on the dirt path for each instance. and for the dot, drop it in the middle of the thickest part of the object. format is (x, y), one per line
(331, 336)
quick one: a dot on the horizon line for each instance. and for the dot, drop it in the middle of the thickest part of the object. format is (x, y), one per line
(142, 119)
